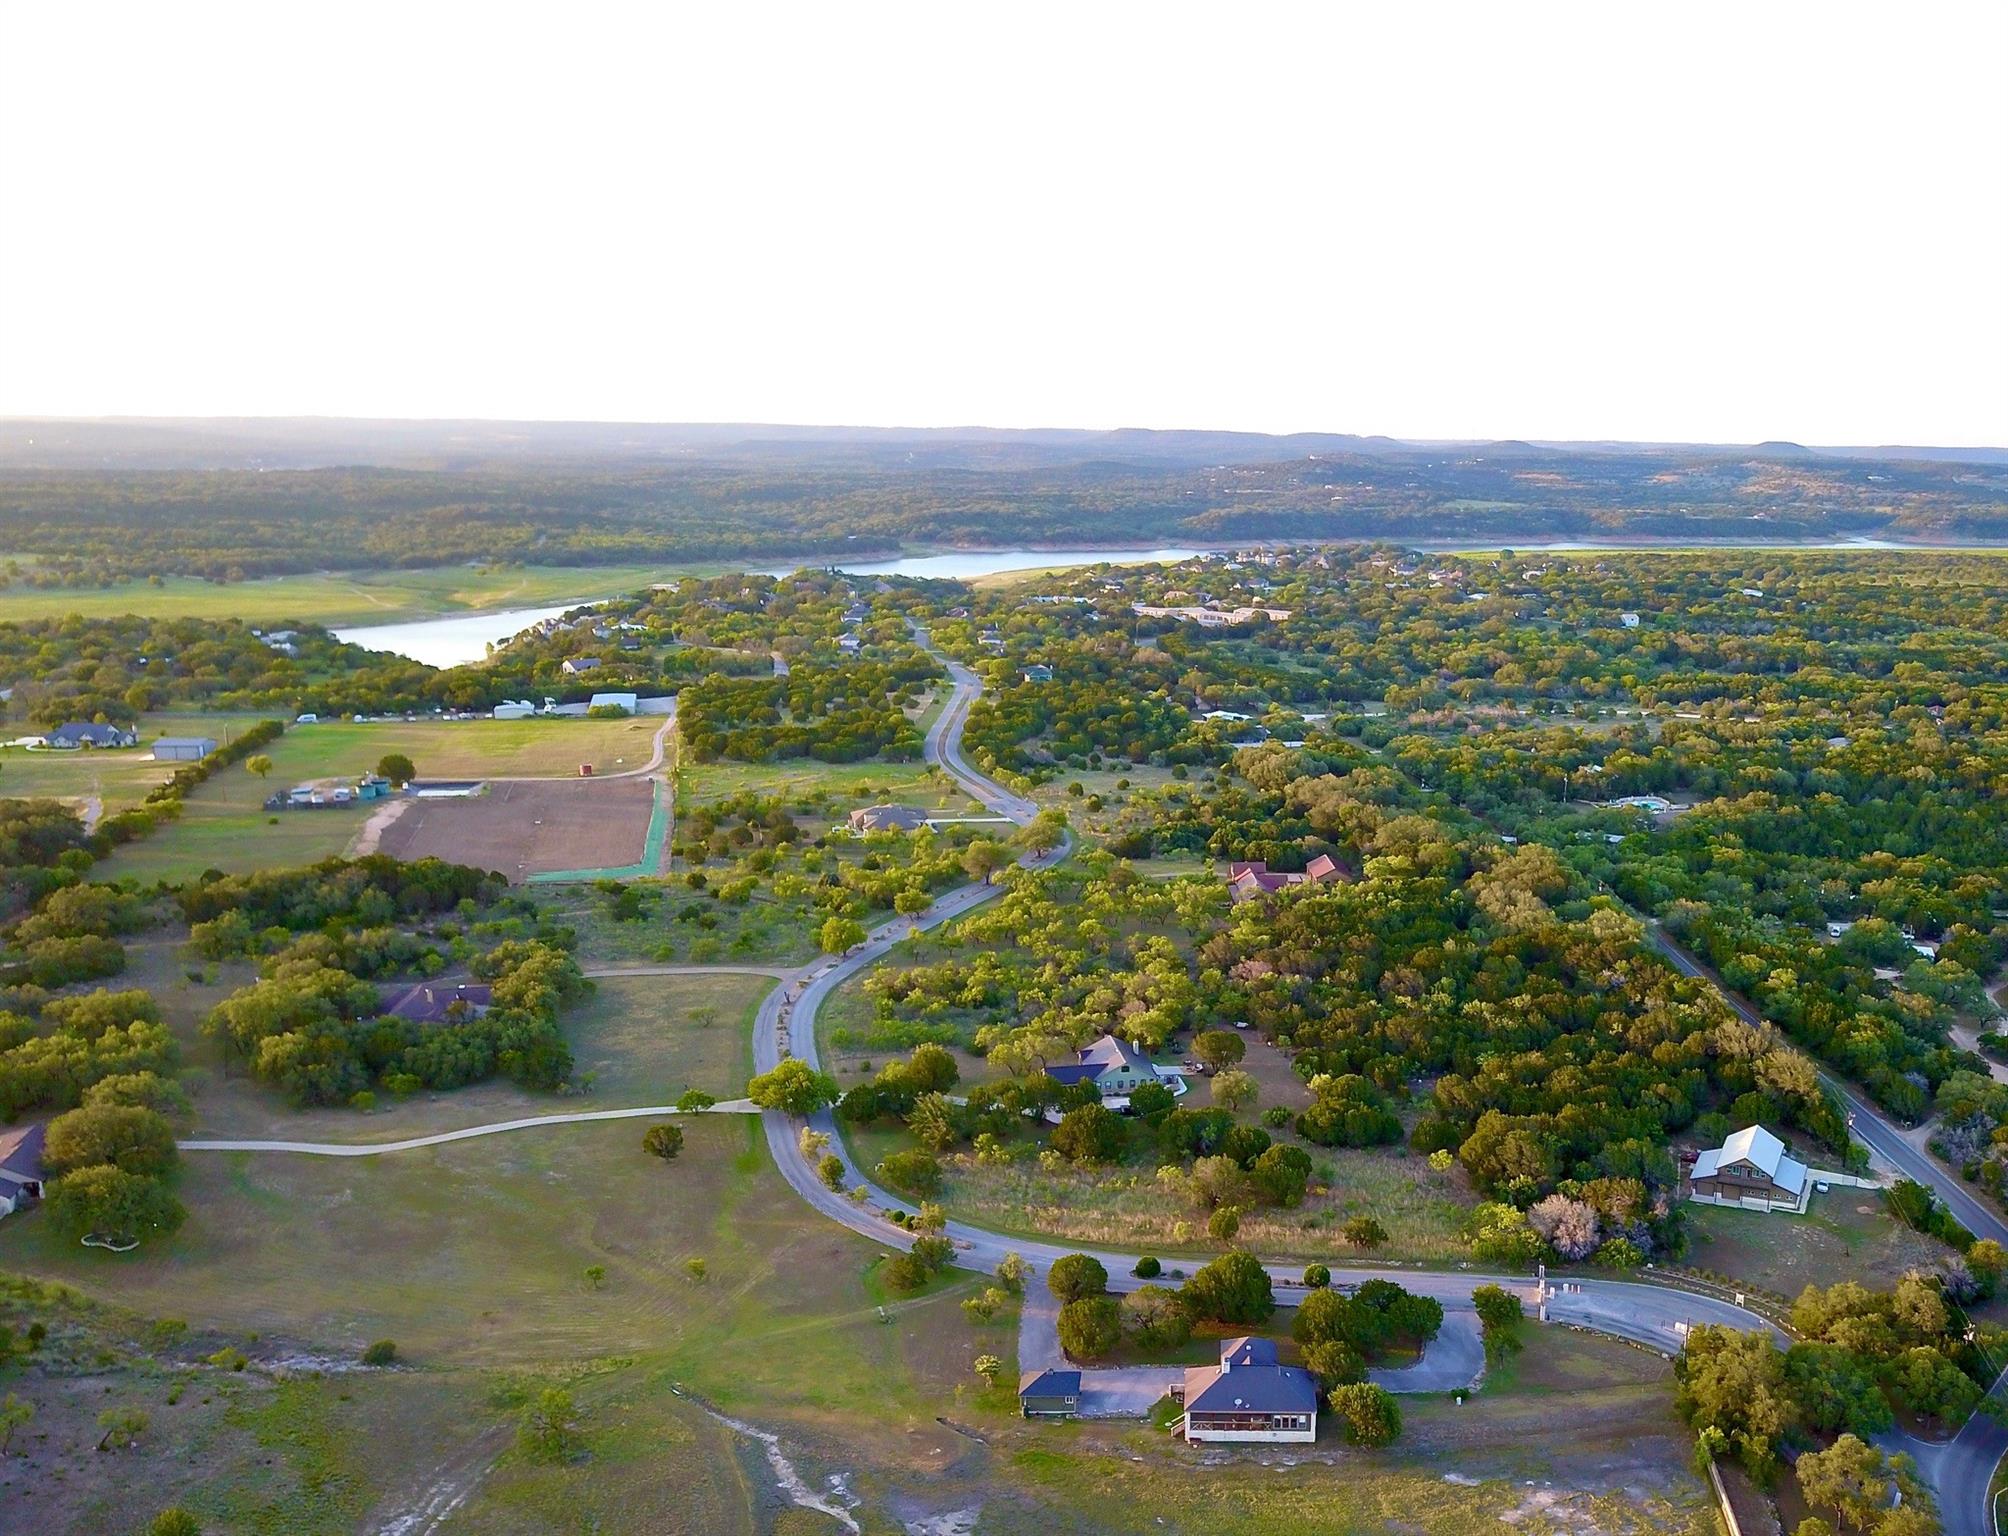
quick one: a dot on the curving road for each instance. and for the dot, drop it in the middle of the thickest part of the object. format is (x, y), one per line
(1656, 1314)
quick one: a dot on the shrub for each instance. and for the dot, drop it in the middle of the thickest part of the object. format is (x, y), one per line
(1234, 1288)
(1147, 1268)
(663, 1141)
(1090, 1327)
(1367, 1414)
(912, 1172)
(382, 1352)
(1076, 1276)
(1317, 1276)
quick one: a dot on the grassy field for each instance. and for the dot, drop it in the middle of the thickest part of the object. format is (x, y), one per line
(1846, 1235)
(852, 784)
(119, 778)
(224, 824)
(344, 598)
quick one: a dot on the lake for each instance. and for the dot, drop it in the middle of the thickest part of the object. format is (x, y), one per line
(449, 642)
(465, 637)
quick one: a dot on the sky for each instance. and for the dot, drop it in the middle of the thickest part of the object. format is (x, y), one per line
(1703, 222)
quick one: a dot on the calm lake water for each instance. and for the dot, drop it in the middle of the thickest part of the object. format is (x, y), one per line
(465, 637)
(449, 642)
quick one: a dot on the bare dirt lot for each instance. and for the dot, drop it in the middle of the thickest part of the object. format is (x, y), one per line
(523, 829)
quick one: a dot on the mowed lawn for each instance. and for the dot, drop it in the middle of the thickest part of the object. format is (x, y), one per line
(225, 826)
(122, 777)
(638, 1040)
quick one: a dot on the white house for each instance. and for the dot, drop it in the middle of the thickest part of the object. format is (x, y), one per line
(626, 701)
(1116, 1068)
(515, 709)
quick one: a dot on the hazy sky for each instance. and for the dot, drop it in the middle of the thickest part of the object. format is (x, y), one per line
(1724, 222)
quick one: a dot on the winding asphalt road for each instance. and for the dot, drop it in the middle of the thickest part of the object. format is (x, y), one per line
(1654, 1314)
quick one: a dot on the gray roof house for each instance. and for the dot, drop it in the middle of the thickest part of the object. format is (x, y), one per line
(430, 1003)
(1115, 1067)
(1049, 1394)
(887, 818)
(576, 664)
(78, 733)
(20, 1167)
(1750, 1169)
(1249, 1397)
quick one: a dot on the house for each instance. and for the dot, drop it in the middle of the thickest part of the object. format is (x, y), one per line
(1750, 1169)
(886, 818)
(183, 749)
(20, 1167)
(1049, 1394)
(78, 733)
(1039, 673)
(434, 1003)
(575, 665)
(1629, 620)
(1249, 1398)
(1245, 881)
(1115, 1067)
(626, 701)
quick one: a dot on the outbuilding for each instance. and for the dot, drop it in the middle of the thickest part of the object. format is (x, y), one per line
(1049, 1394)
(183, 749)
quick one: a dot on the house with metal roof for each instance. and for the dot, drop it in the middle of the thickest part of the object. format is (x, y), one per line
(886, 818)
(1049, 1394)
(183, 749)
(435, 1003)
(81, 733)
(1750, 1169)
(1249, 1398)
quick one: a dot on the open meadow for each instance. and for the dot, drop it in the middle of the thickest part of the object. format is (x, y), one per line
(346, 597)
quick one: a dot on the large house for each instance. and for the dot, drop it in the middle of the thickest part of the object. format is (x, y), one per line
(1246, 881)
(430, 1003)
(1049, 1394)
(20, 1167)
(1752, 1169)
(886, 818)
(1249, 1397)
(79, 733)
(1116, 1068)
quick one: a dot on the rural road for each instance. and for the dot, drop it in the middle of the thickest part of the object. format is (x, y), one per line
(1654, 1313)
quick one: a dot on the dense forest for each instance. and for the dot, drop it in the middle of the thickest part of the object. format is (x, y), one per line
(72, 525)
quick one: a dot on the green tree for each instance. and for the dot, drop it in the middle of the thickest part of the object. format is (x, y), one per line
(984, 857)
(1500, 1314)
(1364, 1232)
(1156, 1317)
(1834, 1390)
(839, 934)
(1367, 1414)
(1090, 1327)
(259, 764)
(1224, 1225)
(128, 1137)
(112, 1202)
(794, 1087)
(1317, 1276)
(830, 1169)
(1013, 1272)
(1334, 1362)
(1219, 1048)
(121, 1426)
(1855, 1480)
(1733, 1383)
(912, 1171)
(1077, 1275)
(396, 767)
(1044, 832)
(663, 1141)
(1093, 1133)
(1234, 1288)
(987, 1366)
(549, 1428)
(694, 1101)
(1233, 1090)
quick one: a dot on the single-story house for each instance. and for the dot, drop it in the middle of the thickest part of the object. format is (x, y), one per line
(20, 1167)
(886, 818)
(1249, 1397)
(79, 733)
(1049, 1394)
(183, 749)
(626, 701)
(1629, 620)
(1255, 878)
(1116, 1068)
(1750, 1168)
(577, 664)
(1039, 673)
(438, 1003)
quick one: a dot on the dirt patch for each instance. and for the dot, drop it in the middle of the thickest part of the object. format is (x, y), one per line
(366, 841)
(522, 829)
